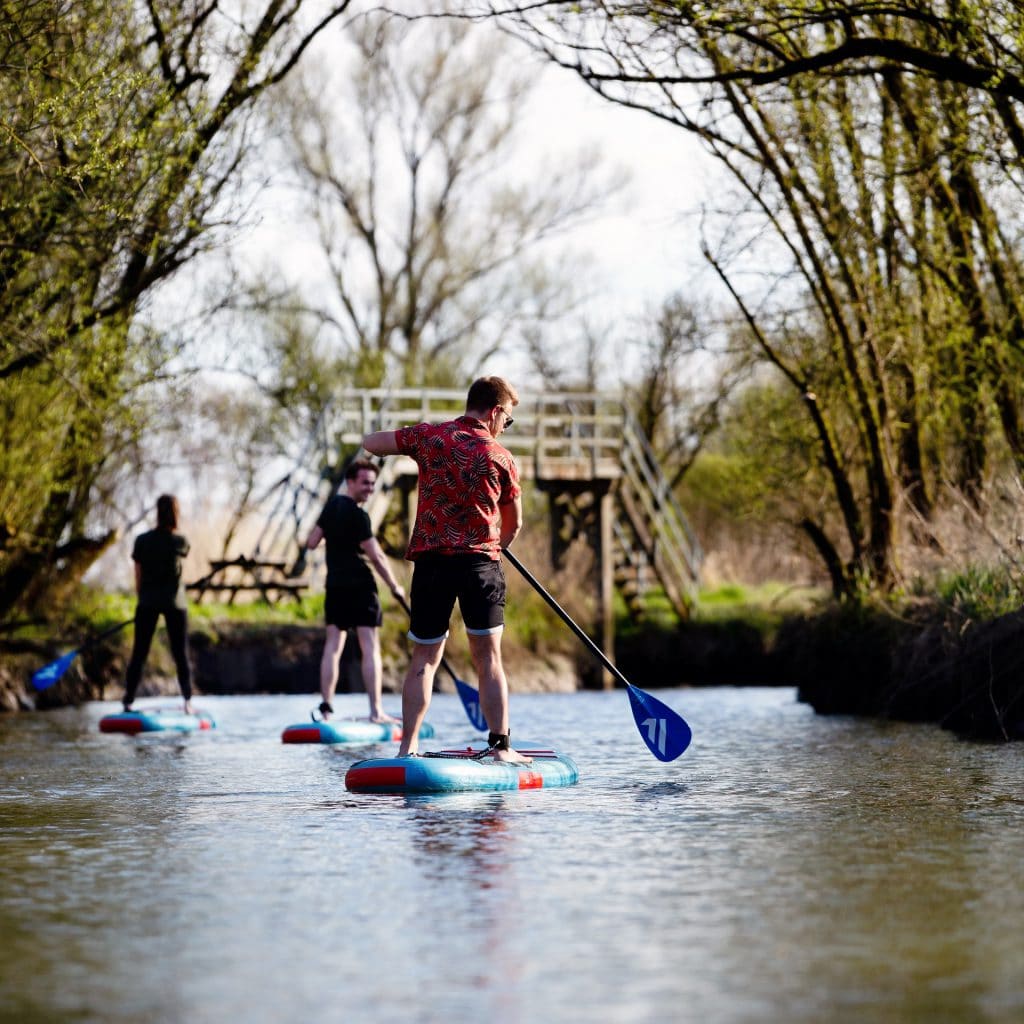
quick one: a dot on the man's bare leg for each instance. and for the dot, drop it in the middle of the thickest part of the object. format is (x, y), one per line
(486, 653)
(334, 644)
(416, 692)
(369, 645)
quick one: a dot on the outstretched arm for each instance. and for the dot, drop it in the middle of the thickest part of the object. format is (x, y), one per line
(382, 442)
(375, 553)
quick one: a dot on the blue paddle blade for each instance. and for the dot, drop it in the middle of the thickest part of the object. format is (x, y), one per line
(49, 674)
(471, 702)
(663, 730)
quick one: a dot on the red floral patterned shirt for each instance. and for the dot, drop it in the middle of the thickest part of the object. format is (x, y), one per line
(465, 475)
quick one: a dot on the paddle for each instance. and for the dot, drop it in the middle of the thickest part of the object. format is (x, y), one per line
(467, 694)
(50, 674)
(663, 730)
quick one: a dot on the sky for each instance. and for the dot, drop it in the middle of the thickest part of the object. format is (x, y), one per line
(646, 244)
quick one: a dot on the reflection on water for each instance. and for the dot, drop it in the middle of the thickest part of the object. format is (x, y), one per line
(788, 867)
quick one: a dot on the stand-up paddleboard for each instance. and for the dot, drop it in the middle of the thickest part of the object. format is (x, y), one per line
(349, 730)
(448, 771)
(156, 720)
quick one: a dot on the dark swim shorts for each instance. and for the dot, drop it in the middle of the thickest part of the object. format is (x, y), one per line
(477, 582)
(348, 607)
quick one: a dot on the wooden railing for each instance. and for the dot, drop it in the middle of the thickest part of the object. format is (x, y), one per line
(576, 435)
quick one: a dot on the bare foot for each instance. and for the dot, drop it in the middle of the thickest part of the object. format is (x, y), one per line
(510, 756)
(188, 708)
(385, 719)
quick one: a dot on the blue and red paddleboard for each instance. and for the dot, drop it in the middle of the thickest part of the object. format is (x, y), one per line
(449, 771)
(349, 730)
(156, 720)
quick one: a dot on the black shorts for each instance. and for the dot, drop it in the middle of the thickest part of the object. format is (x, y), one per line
(348, 607)
(476, 581)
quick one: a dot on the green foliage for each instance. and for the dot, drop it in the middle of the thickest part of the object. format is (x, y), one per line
(123, 124)
(102, 609)
(765, 607)
(979, 592)
(309, 610)
(534, 626)
(726, 596)
(759, 466)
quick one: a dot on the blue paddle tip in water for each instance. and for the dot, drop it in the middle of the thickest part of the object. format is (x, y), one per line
(663, 730)
(49, 674)
(471, 702)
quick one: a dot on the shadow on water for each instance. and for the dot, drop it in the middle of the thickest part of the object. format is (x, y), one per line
(657, 790)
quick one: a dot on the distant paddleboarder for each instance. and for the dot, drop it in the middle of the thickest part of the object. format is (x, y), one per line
(469, 508)
(351, 600)
(158, 556)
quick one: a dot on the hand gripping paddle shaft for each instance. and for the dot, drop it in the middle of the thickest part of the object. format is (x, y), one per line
(663, 730)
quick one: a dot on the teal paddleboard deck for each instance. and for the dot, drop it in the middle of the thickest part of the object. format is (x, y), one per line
(156, 720)
(348, 730)
(450, 771)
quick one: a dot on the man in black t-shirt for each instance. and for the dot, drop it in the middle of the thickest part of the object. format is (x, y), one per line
(351, 600)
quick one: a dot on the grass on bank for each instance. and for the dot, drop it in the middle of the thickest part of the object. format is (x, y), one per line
(978, 593)
(763, 606)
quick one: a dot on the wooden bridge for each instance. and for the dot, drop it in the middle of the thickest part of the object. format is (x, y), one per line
(585, 451)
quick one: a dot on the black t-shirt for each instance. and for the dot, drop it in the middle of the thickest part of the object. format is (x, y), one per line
(160, 554)
(345, 527)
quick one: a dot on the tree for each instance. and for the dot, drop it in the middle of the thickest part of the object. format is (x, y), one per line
(436, 246)
(876, 157)
(435, 240)
(126, 125)
(974, 45)
(687, 372)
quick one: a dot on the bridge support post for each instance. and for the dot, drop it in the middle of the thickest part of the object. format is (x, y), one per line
(583, 510)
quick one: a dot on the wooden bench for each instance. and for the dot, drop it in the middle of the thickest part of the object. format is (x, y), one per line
(266, 577)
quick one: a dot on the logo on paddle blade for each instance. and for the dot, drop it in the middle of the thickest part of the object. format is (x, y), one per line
(666, 733)
(471, 702)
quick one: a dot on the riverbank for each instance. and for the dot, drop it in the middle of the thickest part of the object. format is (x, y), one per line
(241, 659)
(920, 666)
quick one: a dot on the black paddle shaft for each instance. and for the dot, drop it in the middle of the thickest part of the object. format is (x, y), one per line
(565, 617)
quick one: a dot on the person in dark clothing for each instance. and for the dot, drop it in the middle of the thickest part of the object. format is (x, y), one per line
(158, 556)
(351, 600)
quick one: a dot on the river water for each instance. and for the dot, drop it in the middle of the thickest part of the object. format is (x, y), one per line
(787, 868)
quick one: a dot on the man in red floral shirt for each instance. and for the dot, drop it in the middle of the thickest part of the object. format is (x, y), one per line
(470, 507)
